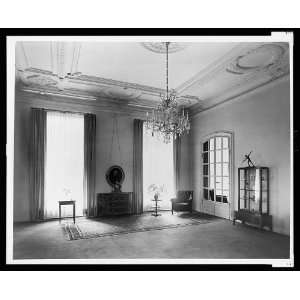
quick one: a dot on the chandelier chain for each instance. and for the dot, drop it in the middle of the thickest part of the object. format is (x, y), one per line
(167, 68)
(166, 120)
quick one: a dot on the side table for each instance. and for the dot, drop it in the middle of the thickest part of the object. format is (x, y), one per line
(155, 214)
(68, 202)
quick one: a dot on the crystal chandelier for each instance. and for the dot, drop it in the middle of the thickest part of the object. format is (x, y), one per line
(167, 121)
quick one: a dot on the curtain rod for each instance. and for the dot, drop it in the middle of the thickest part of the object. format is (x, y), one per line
(63, 111)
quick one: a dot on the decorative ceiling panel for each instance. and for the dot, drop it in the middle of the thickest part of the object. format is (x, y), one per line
(203, 74)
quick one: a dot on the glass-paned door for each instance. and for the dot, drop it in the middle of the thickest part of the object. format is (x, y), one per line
(216, 175)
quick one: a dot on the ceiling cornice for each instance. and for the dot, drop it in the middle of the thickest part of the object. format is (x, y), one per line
(195, 111)
(55, 101)
(244, 81)
(211, 70)
(97, 87)
(221, 81)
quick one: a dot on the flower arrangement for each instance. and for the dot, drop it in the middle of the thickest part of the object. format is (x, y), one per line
(156, 189)
(67, 192)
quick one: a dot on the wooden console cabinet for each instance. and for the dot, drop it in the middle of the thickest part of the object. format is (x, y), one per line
(112, 204)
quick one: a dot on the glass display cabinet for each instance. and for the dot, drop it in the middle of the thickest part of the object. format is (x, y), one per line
(253, 197)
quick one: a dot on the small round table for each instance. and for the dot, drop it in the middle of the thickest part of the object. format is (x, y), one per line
(155, 214)
(68, 202)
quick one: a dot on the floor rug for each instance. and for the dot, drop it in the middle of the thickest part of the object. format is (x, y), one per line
(111, 226)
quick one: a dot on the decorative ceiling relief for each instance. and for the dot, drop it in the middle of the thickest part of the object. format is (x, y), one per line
(262, 58)
(118, 92)
(125, 74)
(40, 80)
(243, 69)
(161, 47)
(64, 58)
(188, 100)
(30, 78)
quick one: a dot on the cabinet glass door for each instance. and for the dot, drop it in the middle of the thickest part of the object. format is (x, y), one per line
(264, 190)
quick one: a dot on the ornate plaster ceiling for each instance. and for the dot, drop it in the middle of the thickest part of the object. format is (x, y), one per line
(203, 74)
(161, 47)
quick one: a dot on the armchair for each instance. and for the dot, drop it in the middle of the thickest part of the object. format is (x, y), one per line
(183, 201)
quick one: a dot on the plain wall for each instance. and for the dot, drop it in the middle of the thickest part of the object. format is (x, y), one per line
(259, 121)
(107, 153)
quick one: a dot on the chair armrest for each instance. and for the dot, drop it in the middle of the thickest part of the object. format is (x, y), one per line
(174, 200)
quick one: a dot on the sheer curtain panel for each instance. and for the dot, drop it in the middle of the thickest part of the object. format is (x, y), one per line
(158, 171)
(64, 163)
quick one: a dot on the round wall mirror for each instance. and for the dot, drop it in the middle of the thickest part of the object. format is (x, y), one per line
(115, 177)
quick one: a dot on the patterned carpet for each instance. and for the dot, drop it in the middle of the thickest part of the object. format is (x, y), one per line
(110, 226)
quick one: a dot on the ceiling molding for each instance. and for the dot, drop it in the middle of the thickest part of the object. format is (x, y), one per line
(210, 71)
(112, 82)
(229, 62)
(64, 58)
(245, 67)
(198, 109)
(98, 87)
(62, 102)
(243, 79)
(273, 54)
(160, 47)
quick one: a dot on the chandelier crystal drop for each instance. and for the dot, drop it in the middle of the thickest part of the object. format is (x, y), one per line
(167, 121)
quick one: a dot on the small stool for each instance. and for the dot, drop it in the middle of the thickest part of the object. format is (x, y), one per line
(68, 202)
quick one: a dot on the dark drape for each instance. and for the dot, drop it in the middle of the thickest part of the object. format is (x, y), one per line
(137, 166)
(89, 164)
(176, 161)
(38, 154)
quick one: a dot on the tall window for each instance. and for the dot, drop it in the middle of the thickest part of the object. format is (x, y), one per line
(216, 169)
(64, 162)
(157, 170)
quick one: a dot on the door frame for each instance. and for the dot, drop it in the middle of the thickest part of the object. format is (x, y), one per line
(211, 205)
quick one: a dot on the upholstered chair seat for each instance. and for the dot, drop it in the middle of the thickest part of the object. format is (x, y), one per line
(183, 201)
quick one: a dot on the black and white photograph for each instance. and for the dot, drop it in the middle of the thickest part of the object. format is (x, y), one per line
(150, 150)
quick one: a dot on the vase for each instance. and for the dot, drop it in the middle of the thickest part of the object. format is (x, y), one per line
(155, 197)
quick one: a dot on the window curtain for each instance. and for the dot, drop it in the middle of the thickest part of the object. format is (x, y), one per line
(64, 163)
(137, 166)
(176, 161)
(38, 149)
(90, 164)
(158, 170)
